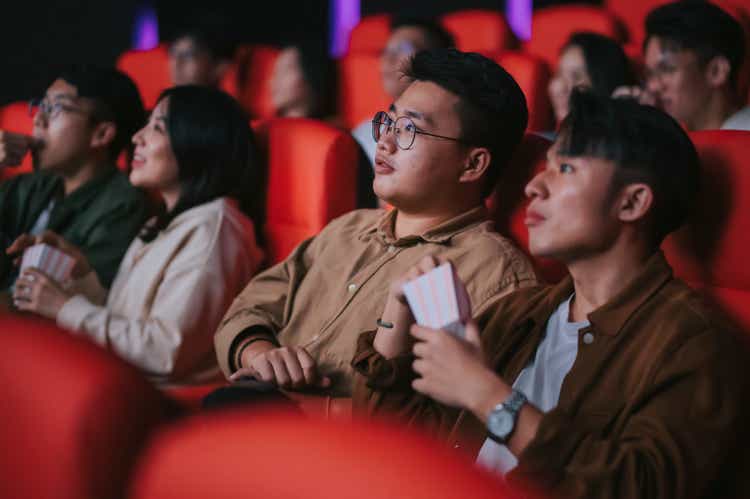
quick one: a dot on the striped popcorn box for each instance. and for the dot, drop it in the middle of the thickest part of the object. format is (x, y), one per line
(50, 260)
(438, 300)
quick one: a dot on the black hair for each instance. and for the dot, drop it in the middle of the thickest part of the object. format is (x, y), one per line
(319, 72)
(115, 98)
(492, 107)
(216, 154)
(606, 63)
(645, 144)
(701, 27)
(435, 35)
(211, 37)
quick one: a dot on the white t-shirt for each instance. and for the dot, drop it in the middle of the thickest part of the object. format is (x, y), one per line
(738, 121)
(540, 381)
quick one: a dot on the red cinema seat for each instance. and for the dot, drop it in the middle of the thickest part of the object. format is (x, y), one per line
(312, 174)
(361, 92)
(73, 417)
(275, 455)
(483, 31)
(14, 117)
(532, 75)
(710, 252)
(632, 14)
(256, 63)
(149, 69)
(370, 35)
(552, 26)
(507, 205)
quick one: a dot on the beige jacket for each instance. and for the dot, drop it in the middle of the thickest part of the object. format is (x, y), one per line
(170, 294)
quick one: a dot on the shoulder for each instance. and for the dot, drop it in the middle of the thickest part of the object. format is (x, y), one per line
(119, 189)
(218, 223)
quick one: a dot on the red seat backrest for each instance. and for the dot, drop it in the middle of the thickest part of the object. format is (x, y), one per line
(371, 34)
(632, 14)
(552, 26)
(149, 69)
(507, 205)
(477, 30)
(236, 453)
(14, 117)
(532, 75)
(256, 63)
(73, 417)
(312, 170)
(361, 92)
(710, 252)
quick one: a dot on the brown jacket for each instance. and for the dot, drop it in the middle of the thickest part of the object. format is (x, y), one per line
(335, 285)
(654, 407)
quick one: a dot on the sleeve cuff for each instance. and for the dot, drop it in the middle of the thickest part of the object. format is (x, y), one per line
(381, 373)
(74, 312)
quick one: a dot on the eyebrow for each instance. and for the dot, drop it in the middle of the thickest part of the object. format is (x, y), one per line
(61, 96)
(415, 115)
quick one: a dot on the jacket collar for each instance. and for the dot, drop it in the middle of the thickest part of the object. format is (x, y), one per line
(383, 228)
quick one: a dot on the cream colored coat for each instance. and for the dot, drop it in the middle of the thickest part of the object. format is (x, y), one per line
(170, 294)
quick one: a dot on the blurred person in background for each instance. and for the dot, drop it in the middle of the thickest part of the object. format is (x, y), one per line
(693, 55)
(180, 275)
(82, 124)
(200, 55)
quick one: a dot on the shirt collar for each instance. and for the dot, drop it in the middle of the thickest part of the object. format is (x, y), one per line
(383, 228)
(611, 317)
(79, 198)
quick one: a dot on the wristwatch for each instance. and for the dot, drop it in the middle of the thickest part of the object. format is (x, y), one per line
(502, 420)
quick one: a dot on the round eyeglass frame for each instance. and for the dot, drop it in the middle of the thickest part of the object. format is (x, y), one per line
(381, 119)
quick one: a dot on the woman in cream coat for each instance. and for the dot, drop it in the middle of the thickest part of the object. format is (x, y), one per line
(184, 269)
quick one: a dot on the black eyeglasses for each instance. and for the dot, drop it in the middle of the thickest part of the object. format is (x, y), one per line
(50, 109)
(403, 127)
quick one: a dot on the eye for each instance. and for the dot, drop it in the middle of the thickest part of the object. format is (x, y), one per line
(410, 127)
(566, 168)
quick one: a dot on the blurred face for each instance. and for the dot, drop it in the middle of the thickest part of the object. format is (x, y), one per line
(678, 81)
(571, 73)
(154, 164)
(428, 172)
(290, 93)
(572, 213)
(403, 43)
(191, 65)
(63, 129)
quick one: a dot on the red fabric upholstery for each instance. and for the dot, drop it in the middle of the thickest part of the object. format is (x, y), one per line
(370, 35)
(312, 170)
(73, 417)
(508, 204)
(149, 69)
(361, 92)
(14, 117)
(552, 26)
(266, 454)
(711, 251)
(532, 75)
(483, 31)
(256, 63)
(632, 14)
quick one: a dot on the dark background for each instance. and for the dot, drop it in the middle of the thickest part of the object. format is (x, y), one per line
(38, 37)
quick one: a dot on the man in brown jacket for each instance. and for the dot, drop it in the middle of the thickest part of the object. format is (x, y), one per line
(439, 150)
(617, 382)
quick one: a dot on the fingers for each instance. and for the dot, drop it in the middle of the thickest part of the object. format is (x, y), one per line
(243, 372)
(13, 148)
(20, 244)
(423, 333)
(472, 333)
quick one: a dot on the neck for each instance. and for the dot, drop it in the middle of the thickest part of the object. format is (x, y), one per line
(170, 197)
(412, 222)
(599, 278)
(718, 108)
(74, 180)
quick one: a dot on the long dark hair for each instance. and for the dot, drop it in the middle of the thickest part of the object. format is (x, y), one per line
(216, 154)
(606, 63)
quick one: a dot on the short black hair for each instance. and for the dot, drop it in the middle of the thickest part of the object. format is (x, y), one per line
(492, 108)
(115, 98)
(216, 153)
(436, 36)
(606, 63)
(211, 37)
(645, 144)
(701, 27)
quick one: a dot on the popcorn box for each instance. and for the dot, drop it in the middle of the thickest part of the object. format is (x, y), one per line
(49, 260)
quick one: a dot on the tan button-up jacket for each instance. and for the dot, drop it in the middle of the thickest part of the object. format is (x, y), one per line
(334, 286)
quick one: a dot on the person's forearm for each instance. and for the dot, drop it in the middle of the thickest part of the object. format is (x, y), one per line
(392, 342)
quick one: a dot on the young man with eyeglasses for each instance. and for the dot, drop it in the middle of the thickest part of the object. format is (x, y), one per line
(85, 120)
(408, 36)
(618, 382)
(693, 54)
(440, 149)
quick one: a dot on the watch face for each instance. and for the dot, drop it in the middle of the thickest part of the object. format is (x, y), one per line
(500, 423)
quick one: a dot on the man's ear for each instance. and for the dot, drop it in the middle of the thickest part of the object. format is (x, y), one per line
(477, 162)
(635, 202)
(104, 134)
(718, 70)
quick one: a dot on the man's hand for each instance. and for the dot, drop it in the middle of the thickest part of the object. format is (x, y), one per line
(641, 95)
(286, 367)
(13, 147)
(453, 370)
(81, 267)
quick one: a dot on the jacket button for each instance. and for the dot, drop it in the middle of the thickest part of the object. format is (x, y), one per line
(588, 338)
(352, 288)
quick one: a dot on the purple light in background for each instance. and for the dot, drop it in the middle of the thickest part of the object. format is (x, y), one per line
(344, 16)
(518, 13)
(145, 28)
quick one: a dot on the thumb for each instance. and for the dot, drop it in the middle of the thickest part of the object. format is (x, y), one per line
(472, 334)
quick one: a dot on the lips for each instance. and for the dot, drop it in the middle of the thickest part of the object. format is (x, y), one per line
(533, 218)
(382, 167)
(138, 161)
